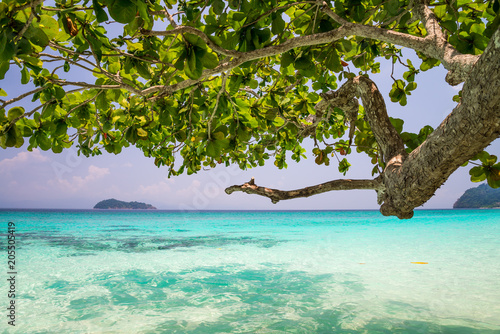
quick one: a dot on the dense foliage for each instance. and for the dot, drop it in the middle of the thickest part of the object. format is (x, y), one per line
(215, 82)
(480, 197)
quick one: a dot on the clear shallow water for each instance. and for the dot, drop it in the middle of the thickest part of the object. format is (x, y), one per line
(254, 272)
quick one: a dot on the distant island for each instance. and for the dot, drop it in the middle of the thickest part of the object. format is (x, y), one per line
(120, 205)
(480, 197)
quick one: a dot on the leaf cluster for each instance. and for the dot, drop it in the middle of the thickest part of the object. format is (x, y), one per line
(104, 80)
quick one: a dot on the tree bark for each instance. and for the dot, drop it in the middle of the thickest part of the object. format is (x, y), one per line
(469, 128)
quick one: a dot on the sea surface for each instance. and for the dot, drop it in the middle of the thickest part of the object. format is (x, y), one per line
(252, 272)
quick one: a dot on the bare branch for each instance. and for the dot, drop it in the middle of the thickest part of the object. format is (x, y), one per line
(61, 58)
(26, 25)
(30, 4)
(87, 85)
(277, 195)
(222, 90)
(22, 96)
(168, 16)
(83, 103)
(71, 52)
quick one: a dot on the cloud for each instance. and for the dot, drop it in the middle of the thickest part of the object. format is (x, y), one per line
(78, 182)
(189, 191)
(22, 158)
(158, 189)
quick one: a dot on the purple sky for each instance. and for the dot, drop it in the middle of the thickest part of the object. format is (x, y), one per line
(41, 179)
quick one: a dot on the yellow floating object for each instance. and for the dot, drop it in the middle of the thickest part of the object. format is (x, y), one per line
(420, 262)
(363, 263)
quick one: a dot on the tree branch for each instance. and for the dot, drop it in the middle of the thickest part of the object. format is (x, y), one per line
(22, 96)
(459, 65)
(387, 137)
(470, 127)
(277, 195)
(433, 45)
(26, 25)
(320, 38)
(194, 31)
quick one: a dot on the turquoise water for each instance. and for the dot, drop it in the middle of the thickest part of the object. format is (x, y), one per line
(254, 272)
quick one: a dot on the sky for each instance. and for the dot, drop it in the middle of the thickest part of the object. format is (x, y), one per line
(42, 179)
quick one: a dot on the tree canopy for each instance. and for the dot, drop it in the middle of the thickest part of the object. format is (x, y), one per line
(242, 81)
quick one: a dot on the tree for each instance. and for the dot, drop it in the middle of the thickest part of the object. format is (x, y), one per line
(244, 81)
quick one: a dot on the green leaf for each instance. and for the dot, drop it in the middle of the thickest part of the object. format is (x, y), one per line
(49, 26)
(96, 45)
(100, 14)
(12, 138)
(3, 41)
(25, 76)
(428, 64)
(43, 142)
(122, 11)
(61, 129)
(477, 174)
(143, 10)
(59, 92)
(2, 92)
(440, 11)
(57, 148)
(37, 36)
(488, 160)
(195, 41)
(278, 25)
(392, 6)
(142, 133)
(193, 67)
(325, 26)
(218, 6)
(411, 86)
(332, 61)
(403, 100)
(143, 70)
(8, 51)
(209, 60)
(213, 150)
(344, 166)
(4, 67)
(358, 12)
(179, 63)
(15, 113)
(496, 6)
(480, 41)
(397, 123)
(286, 59)
(450, 25)
(303, 63)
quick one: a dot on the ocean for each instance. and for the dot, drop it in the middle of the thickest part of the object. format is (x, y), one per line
(250, 272)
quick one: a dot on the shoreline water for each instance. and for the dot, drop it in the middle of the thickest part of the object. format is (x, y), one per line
(259, 271)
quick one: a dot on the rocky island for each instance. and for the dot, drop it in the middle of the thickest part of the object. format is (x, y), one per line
(115, 204)
(480, 197)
